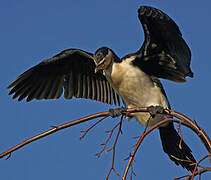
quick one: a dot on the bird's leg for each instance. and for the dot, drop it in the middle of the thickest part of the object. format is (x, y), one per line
(155, 110)
(117, 111)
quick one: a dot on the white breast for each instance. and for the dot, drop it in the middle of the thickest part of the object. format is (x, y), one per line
(136, 88)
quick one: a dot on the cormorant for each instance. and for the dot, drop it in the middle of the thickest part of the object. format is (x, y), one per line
(105, 77)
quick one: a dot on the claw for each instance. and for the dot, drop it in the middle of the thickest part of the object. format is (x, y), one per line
(153, 110)
(117, 112)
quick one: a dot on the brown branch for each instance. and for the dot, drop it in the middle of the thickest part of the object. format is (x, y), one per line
(113, 157)
(195, 173)
(107, 140)
(184, 160)
(86, 131)
(199, 172)
(184, 121)
(53, 130)
(132, 172)
(114, 147)
(180, 132)
(194, 126)
(139, 143)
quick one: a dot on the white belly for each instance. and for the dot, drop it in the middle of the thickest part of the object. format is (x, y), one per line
(137, 89)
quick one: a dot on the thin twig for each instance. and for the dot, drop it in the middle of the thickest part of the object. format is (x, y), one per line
(181, 137)
(53, 130)
(194, 172)
(139, 143)
(86, 131)
(151, 129)
(194, 126)
(114, 148)
(199, 172)
(184, 121)
(107, 140)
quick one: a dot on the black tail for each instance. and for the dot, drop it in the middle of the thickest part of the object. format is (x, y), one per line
(170, 141)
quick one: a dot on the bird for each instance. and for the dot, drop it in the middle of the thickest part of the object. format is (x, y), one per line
(134, 79)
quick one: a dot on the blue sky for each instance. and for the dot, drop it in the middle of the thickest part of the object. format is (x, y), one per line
(35, 30)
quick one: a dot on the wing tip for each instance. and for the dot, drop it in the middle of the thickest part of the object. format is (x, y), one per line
(149, 11)
(141, 10)
(190, 74)
(8, 87)
(11, 84)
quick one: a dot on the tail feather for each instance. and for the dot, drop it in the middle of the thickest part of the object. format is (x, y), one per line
(170, 142)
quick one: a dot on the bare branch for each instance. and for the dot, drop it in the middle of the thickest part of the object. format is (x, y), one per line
(107, 140)
(86, 131)
(195, 173)
(114, 148)
(183, 121)
(139, 143)
(194, 126)
(53, 130)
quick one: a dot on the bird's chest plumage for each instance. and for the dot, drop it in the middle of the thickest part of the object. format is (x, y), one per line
(136, 88)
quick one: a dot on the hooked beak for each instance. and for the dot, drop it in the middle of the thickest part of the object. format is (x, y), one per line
(98, 67)
(96, 70)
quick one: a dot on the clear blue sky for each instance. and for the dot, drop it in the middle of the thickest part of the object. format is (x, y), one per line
(35, 30)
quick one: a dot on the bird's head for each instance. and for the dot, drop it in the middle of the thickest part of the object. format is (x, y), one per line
(104, 58)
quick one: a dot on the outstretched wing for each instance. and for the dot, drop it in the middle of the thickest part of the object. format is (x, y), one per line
(71, 70)
(164, 53)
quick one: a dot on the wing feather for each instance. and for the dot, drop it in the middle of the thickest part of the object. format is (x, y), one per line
(97, 83)
(164, 53)
(71, 70)
(68, 86)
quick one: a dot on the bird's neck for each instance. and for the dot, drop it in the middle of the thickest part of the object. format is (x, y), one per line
(108, 70)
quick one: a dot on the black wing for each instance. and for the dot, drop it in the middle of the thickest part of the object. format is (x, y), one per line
(164, 53)
(71, 70)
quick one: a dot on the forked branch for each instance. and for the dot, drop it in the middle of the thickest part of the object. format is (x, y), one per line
(182, 120)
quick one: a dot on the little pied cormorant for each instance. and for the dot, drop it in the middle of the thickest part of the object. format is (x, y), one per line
(105, 77)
